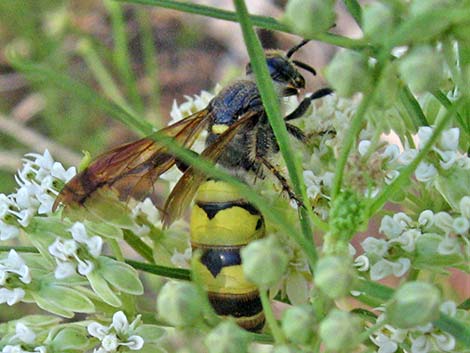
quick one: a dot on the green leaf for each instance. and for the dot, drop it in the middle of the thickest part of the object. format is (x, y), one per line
(72, 337)
(150, 333)
(105, 230)
(454, 186)
(102, 289)
(66, 298)
(459, 330)
(120, 275)
(355, 10)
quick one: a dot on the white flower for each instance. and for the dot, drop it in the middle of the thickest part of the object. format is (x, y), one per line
(381, 269)
(425, 172)
(426, 218)
(385, 343)
(390, 227)
(110, 343)
(448, 159)
(391, 153)
(400, 267)
(362, 263)
(84, 267)
(422, 344)
(97, 330)
(148, 209)
(424, 134)
(363, 147)
(407, 239)
(181, 259)
(407, 156)
(461, 225)
(8, 231)
(375, 246)
(15, 264)
(444, 341)
(391, 175)
(464, 206)
(12, 296)
(312, 183)
(448, 307)
(64, 269)
(449, 139)
(23, 333)
(444, 221)
(448, 246)
(119, 333)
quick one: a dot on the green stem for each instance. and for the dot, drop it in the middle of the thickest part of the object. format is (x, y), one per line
(271, 104)
(138, 245)
(259, 21)
(366, 334)
(121, 53)
(116, 249)
(405, 173)
(102, 75)
(278, 335)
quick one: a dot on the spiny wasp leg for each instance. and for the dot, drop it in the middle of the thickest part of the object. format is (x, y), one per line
(303, 106)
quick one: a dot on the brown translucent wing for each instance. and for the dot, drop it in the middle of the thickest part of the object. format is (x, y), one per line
(132, 169)
(183, 192)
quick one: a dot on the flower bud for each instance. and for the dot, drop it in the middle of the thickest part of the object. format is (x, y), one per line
(298, 324)
(179, 303)
(414, 304)
(308, 17)
(227, 337)
(264, 262)
(421, 68)
(339, 331)
(334, 276)
(377, 21)
(349, 73)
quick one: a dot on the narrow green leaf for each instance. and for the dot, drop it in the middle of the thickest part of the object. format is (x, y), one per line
(259, 21)
(138, 245)
(442, 98)
(459, 330)
(120, 275)
(413, 108)
(170, 272)
(355, 10)
(374, 289)
(103, 290)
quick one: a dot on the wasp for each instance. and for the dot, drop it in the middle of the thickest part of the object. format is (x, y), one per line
(239, 138)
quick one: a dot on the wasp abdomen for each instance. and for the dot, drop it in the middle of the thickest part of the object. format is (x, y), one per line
(222, 223)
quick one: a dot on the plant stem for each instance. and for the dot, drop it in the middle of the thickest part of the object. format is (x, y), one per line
(278, 335)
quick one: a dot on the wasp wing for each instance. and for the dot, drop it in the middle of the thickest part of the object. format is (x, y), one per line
(183, 192)
(132, 169)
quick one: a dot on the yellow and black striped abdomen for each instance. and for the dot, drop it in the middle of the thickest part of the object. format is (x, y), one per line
(222, 223)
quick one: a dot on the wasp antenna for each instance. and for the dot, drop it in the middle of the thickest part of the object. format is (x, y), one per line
(305, 67)
(292, 50)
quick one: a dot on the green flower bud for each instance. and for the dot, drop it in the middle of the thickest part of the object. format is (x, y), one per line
(377, 21)
(339, 330)
(264, 262)
(347, 215)
(308, 17)
(414, 304)
(298, 324)
(227, 337)
(421, 68)
(349, 73)
(179, 303)
(334, 276)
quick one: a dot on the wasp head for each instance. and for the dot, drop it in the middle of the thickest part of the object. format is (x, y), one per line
(283, 70)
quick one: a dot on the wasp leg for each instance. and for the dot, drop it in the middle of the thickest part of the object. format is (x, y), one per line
(296, 132)
(303, 106)
(282, 180)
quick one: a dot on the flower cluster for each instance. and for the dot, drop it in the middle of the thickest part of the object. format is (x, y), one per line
(119, 335)
(23, 341)
(421, 339)
(14, 274)
(39, 181)
(76, 254)
(438, 237)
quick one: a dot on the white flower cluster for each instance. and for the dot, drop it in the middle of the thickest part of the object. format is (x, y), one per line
(445, 151)
(76, 254)
(37, 191)
(401, 232)
(422, 339)
(119, 334)
(22, 341)
(13, 274)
